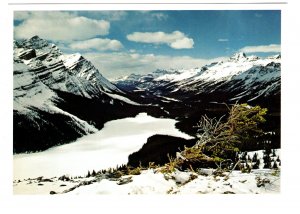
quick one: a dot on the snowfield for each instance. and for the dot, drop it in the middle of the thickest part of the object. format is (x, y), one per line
(152, 181)
(106, 148)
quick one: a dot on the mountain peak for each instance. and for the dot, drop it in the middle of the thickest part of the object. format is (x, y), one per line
(38, 42)
(277, 56)
(238, 56)
(36, 37)
(34, 42)
(70, 73)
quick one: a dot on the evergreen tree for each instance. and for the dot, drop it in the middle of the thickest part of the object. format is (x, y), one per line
(254, 158)
(244, 156)
(219, 141)
(267, 161)
(279, 161)
(275, 166)
(267, 152)
(256, 164)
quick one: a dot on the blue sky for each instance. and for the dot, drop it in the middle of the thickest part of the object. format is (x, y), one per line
(124, 42)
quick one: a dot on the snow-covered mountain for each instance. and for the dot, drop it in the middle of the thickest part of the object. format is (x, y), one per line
(187, 94)
(240, 77)
(69, 73)
(57, 96)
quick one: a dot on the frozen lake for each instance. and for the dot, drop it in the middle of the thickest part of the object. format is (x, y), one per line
(106, 148)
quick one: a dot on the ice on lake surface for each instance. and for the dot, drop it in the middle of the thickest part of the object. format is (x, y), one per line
(106, 148)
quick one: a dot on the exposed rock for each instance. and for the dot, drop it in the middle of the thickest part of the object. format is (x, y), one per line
(46, 180)
(125, 180)
(228, 192)
(64, 178)
(27, 54)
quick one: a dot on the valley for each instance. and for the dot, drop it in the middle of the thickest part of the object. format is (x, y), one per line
(70, 120)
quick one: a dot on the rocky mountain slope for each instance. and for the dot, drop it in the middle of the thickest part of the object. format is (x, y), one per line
(240, 77)
(59, 97)
(69, 73)
(189, 93)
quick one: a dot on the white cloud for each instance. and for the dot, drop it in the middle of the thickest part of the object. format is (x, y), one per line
(121, 63)
(223, 40)
(176, 39)
(60, 26)
(110, 15)
(159, 16)
(182, 43)
(261, 49)
(151, 15)
(97, 44)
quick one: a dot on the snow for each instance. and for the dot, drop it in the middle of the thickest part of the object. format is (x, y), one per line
(181, 177)
(106, 148)
(61, 70)
(237, 183)
(242, 71)
(249, 71)
(37, 188)
(28, 90)
(124, 99)
(37, 97)
(152, 181)
(70, 60)
(260, 155)
(86, 127)
(168, 98)
(224, 71)
(146, 183)
(179, 75)
(251, 76)
(20, 67)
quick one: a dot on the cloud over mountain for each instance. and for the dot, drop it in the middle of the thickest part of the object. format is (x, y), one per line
(261, 48)
(97, 44)
(176, 39)
(59, 26)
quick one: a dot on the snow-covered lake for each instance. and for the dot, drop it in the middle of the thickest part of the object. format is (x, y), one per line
(106, 148)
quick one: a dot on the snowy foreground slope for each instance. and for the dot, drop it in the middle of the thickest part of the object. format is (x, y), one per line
(64, 169)
(151, 181)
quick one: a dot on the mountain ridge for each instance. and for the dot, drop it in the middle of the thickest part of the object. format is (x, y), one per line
(239, 71)
(58, 97)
